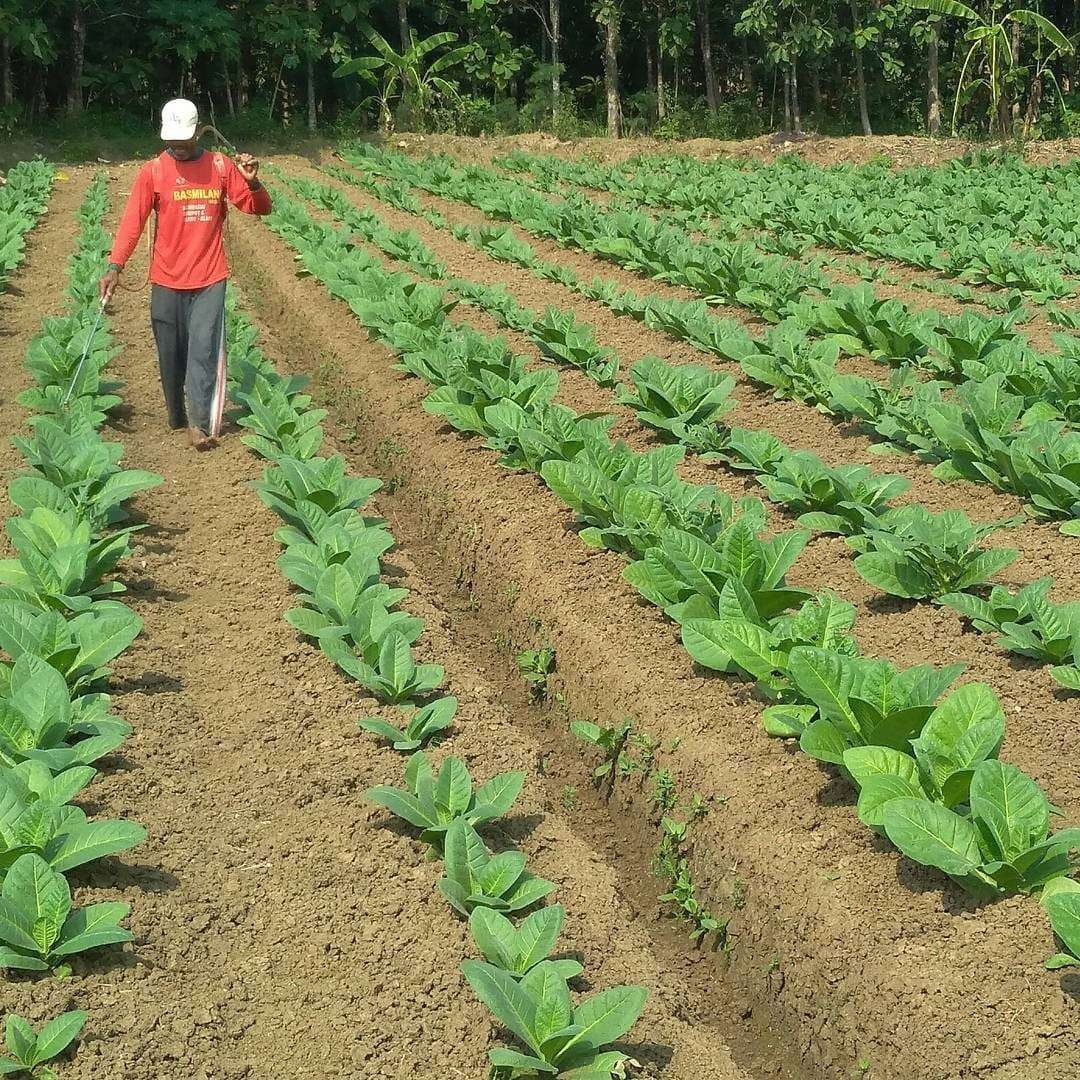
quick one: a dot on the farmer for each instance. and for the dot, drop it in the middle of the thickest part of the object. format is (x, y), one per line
(187, 188)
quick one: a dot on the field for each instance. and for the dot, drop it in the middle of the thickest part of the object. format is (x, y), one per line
(718, 516)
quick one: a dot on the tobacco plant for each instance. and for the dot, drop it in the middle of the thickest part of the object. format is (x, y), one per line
(914, 553)
(475, 878)
(561, 1039)
(1061, 899)
(39, 928)
(30, 1050)
(433, 803)
(421, 727)
(517, 950)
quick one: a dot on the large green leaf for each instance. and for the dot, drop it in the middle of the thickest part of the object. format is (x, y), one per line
(1011, 806)
(502, 994)
(932, 835)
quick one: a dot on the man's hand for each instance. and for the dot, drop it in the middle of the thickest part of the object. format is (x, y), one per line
(248, 166)
(107, 284)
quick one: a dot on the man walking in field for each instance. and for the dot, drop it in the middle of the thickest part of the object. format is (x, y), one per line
(187, 189)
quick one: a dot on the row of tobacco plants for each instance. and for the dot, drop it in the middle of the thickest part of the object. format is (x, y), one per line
(924, 759)
(332, 553)
(60, 628)
(22, 201)
(993, 411)
(905, 551)
(1002, 224)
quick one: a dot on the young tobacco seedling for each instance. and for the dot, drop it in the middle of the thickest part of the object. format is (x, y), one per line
(39, 927)
(611, 740)
(29, 1050)
(433, 805)
(422, 726)
(475, 878)
(535, 665)
(562, 1041)
(519, 949)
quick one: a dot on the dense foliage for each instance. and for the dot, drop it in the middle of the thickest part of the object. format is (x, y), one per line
(678, 68)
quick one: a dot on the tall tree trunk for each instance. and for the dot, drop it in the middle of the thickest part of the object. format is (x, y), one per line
(860, 76)
(1015, 108)
(747, 69)
(661, 104)
(796, 116)
(403, 23)
(787, 104)
(78, 54)
(650, 64)
(1031, 116)
(815, 92)
(7, 89)
(712, 92)
(611, 72)
(312, 111)
(933, 85)
(554, 15)
(230, 104)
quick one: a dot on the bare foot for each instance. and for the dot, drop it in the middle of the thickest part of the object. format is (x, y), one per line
(200, 440)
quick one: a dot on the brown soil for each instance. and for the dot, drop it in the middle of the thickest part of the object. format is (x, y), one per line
(903, 150)
(284, 926)
(852, 950)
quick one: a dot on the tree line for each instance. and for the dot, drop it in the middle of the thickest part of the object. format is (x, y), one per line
(679, 68)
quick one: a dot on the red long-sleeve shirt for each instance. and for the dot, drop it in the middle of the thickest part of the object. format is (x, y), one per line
(189, 198)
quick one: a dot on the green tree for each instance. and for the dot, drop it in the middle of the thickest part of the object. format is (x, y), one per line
(992, 56)
(408, 78)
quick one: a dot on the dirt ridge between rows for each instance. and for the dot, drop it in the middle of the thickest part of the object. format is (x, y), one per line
(935, 988)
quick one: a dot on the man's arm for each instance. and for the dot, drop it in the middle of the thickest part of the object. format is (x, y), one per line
(243, 186)
(139, 204)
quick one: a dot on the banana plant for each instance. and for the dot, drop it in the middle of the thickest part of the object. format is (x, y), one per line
(562, 1040)
(992, 51)
(408, 78)
(39, 927)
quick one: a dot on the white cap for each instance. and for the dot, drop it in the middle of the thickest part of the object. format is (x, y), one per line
(179, 119)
